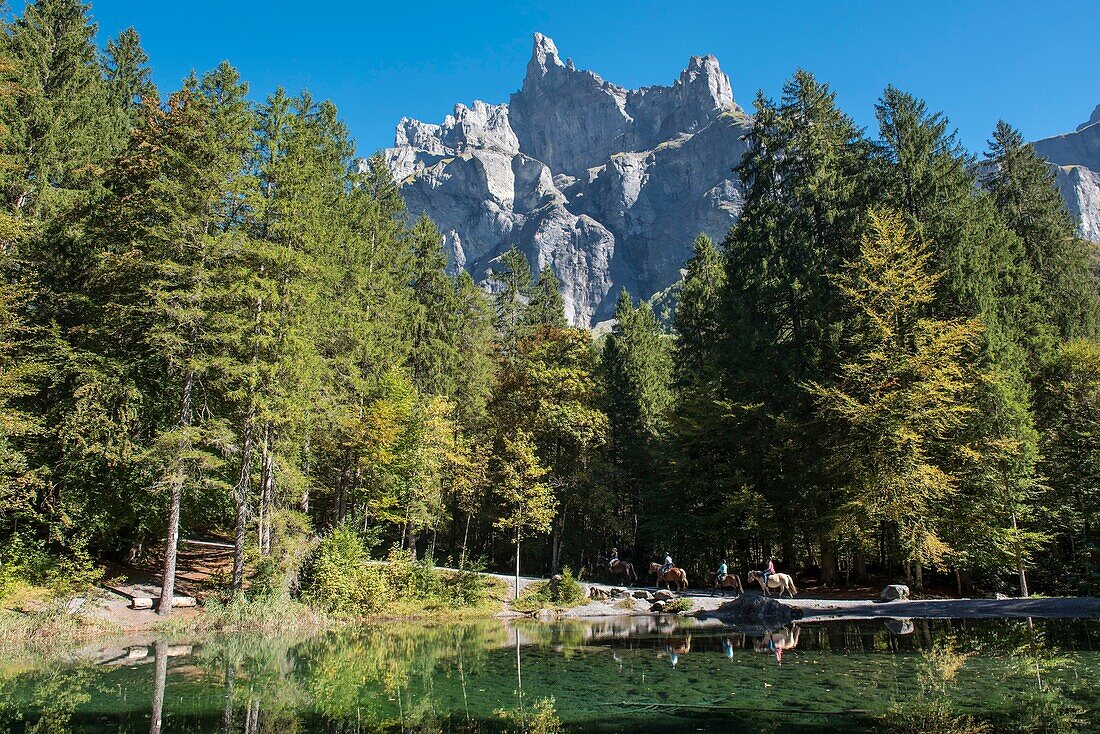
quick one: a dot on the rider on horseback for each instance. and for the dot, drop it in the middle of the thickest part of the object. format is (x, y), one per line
(667, 565)
(721, 572)
(613, 559)
(769, 568)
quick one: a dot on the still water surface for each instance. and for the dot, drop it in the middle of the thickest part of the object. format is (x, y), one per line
(611, 675)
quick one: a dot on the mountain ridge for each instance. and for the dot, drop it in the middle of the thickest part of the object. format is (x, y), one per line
(609, 186)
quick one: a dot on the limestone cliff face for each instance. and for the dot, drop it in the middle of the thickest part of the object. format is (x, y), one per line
(607, 186)
(1076, 158)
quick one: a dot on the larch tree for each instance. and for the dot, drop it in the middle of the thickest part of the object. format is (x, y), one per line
(899, 395)
(525, 501)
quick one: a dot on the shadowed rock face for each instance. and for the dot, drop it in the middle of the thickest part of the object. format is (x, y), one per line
(1076, 157)
(607, 186)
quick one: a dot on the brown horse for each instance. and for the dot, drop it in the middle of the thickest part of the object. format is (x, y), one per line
(731, 581)
(674, 575)
(619, 569)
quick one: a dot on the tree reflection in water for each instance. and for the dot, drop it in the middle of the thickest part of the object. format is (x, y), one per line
(901, 675)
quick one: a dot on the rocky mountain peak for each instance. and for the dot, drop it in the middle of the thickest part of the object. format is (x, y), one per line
(544, 56)
(605, 185)
(704, 74)
(1093, 119)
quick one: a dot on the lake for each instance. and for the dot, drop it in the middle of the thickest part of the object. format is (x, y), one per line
(604, 675)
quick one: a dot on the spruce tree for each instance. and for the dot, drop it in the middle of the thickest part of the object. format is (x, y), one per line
(636, 366)
(433, 356)
(806, 184)
(1068, 405)
(698, 320)
(986, 275)
(1023, 188)
(182, 238)
(511, 285)
(128, 77)
(546, 306)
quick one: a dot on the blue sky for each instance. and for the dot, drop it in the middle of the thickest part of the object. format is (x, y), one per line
(1033, 64)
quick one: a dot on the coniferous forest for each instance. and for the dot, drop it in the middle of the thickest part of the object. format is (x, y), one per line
(215, 322)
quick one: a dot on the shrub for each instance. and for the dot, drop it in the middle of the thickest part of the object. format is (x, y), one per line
(279, 573)
(569, 592)
(541, 718)
(25, 560)
(681, 604)
(342, 581)
(339, 580)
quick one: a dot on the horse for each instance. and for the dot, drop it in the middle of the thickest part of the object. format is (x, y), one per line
(674, 575)
(619, 568)
(778, 642)
(780, 581)
(731, 581)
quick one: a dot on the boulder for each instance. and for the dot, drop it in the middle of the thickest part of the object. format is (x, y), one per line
(595, 592)
(1001, 596)
(658, 606)
(545, 615)
(642, 594)
(899, 626)
(895, 592)
(663, 595)
(752, 607)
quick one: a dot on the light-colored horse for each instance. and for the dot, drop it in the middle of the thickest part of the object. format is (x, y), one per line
(677, 576)
(778, 642)
(776, 581)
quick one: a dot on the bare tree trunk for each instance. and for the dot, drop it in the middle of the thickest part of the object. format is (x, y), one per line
(465, 538)
(240, 499)
(160, 675)
(828, 563)
(517, 564)
(227, 712)
(168, 582)
(304, 505)
(1019, 558)
(267, 490)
